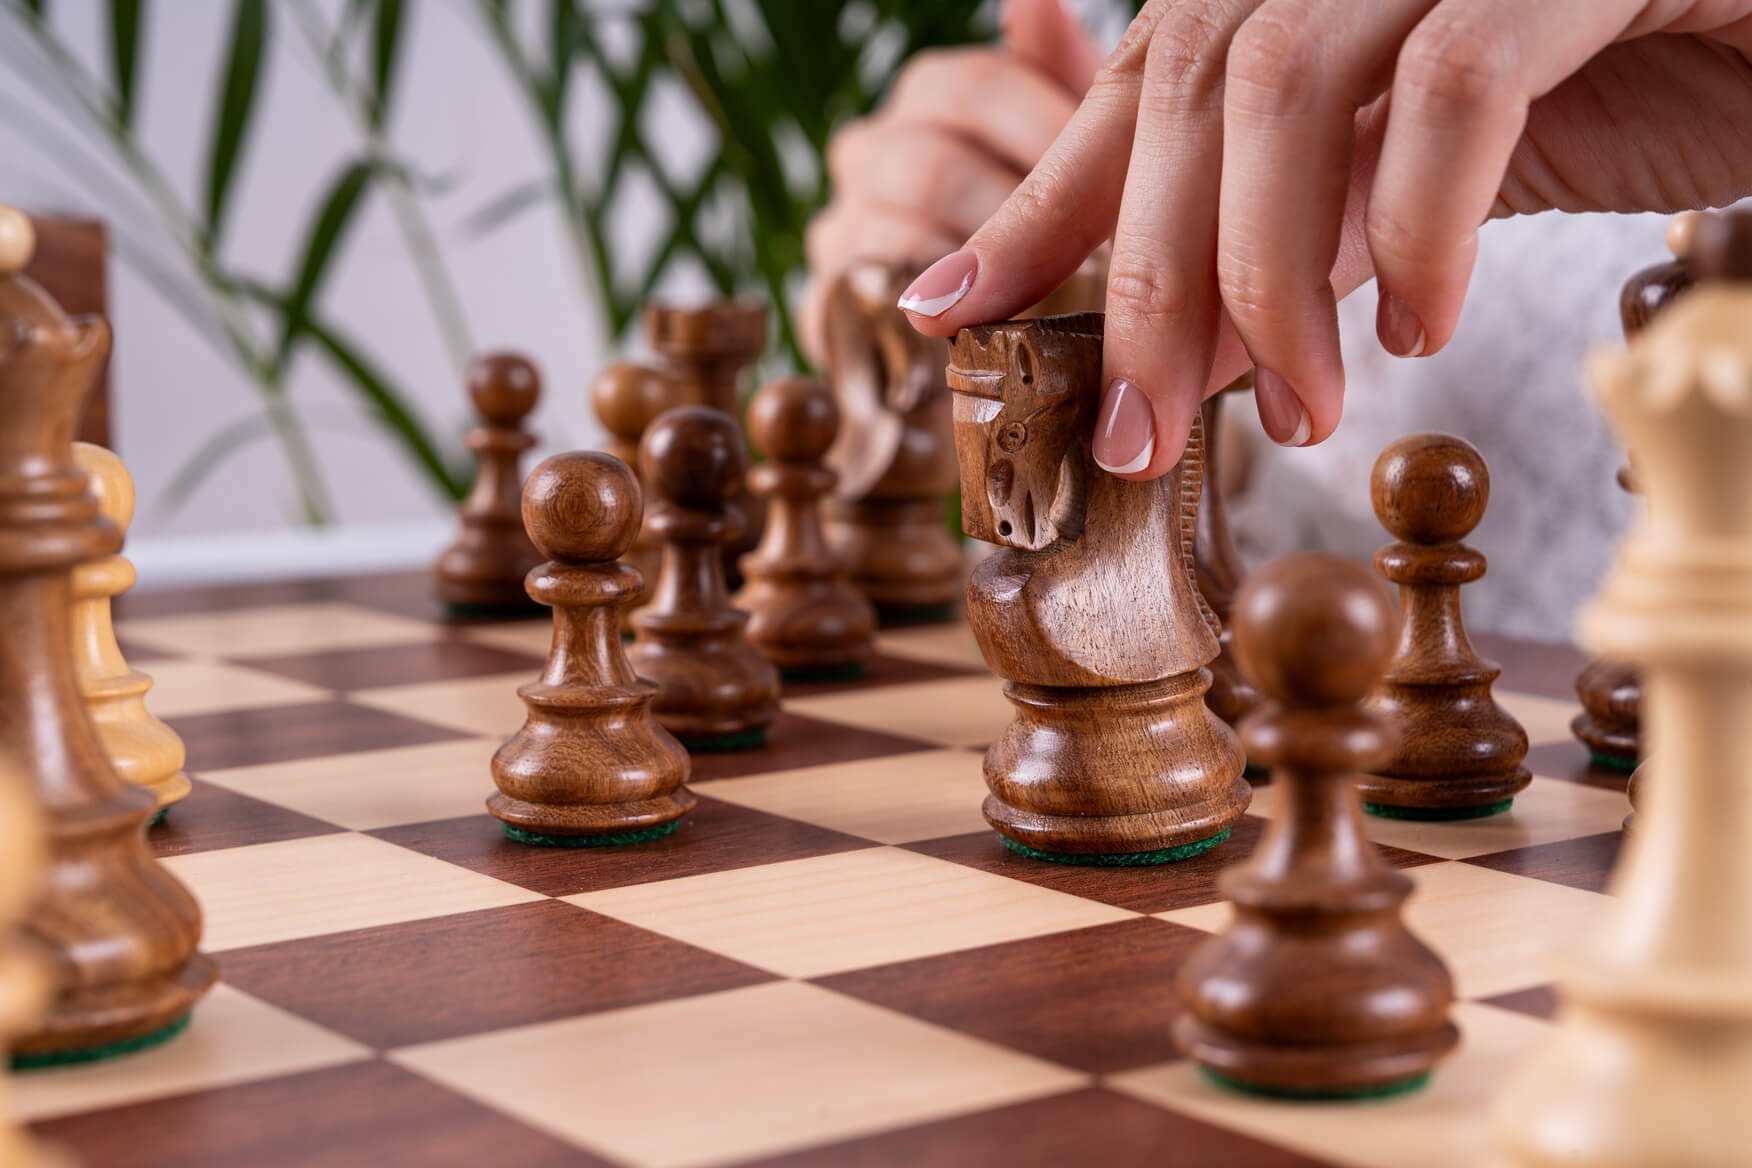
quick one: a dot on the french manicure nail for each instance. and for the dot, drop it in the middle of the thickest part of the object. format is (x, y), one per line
(1125, 429)
(942, 285)
(1280, 410)
(1401, 332)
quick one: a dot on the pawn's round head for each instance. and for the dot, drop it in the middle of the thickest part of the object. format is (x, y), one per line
(582, 507)
(628, 395)
(693, 456)
(794, 420)
(17, 240)
(503, 386)
(1430, 488)
(110, 482)
(1314, 630)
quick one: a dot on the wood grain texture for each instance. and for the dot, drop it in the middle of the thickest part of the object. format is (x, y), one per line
(485, 566)
(895, 452)
(1089, 610)
(1457, 749)
(591, 759)
(25, 985)
(71, 262)
(804, 613)
(120, 930)
(711, 683)
(143, 750)
(1317, 987)
(1217, 568)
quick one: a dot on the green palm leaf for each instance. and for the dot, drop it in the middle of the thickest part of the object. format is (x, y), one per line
(237, 99)
(126, 17)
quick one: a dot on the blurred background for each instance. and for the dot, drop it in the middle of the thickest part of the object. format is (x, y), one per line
(316, 210)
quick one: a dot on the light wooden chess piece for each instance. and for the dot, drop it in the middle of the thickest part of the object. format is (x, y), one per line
(590, 766)
(804, 615)
(1317, 990)
(1651, 1059)
(895, 452)
(120, 929)
(1217, 568)
(714, 691)
(1089, 611)
(143, 750)
(483, 570)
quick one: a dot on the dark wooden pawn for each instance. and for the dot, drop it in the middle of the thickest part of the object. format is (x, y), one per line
(1317, 989)
(1459, 753)
(591, 765)
(1217, 568)
(628, 396)
(804, 615)
(483, 569)
(714, 690)
(119, 931)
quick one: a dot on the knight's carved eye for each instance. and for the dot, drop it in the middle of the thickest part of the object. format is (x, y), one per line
(1013, 437)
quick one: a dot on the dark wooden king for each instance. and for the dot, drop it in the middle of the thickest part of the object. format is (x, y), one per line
(119, 929)
(1089, 611)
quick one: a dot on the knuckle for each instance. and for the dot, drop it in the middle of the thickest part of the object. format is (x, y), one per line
(847, 148)
(1454, 65)
(1145, 291)
(1390, 235)
(937, 78)
(1246, 292)
(938, 173)
(1184, 51)
(1274, 63)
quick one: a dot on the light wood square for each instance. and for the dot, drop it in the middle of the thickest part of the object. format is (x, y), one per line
(1444, 1125)
(378, 788)
(828, 914)
(208, 687)
(233, 1039)
(969, 711)
(327, 884)
(534, 637)
(276, 630)
(1476, 919)
(944, 644)
(893, 800)
(1547, 811)
(1545, 719)
(487, 706)
(723, 1077)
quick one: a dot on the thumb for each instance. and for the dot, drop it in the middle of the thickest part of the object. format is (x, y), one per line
(1046, 36)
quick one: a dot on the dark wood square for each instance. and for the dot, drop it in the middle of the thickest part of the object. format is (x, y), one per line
(1150, 889)
(1100, 999)
(1570, 761)
(361, 1113)
(714, 837)
(1584, 863)
(1090, 1128)
(795, 741)
(882, 670)
(211, 818)
(1546, 668)
(469, 973)
(234, 738)
(424, 661)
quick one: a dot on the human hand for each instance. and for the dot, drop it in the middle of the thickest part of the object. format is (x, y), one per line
(960, 128)
(1255, 160)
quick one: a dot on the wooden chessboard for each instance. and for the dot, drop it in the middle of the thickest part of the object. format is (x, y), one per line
(833, 962)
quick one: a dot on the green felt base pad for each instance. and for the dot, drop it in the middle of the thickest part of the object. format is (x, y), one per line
(158, 818)
(850, 671)
(92, 1054)
(1382, 1091)
(541, 840)
(1613, 762)
(1436, 814)
(1120, 859)
(746, 740)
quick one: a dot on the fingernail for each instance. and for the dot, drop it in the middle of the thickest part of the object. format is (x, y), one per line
(1125, 429)
(1401, 333)
(942, 285)
(1280, 410)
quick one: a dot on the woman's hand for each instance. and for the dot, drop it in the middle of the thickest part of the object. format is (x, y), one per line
(960, 129)
(1255, 160)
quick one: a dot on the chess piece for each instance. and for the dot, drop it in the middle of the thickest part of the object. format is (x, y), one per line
(1459, 753)
(590, 766)
(483, 569)
(1650, 1061)
(120, 930)
(24, 980)
(628, 396)
(1610, 694)
(804, 615)
(1088, 610)
(895, 452)
(714, 691)
(143, 750)
(1217, 568)
(1317, 989)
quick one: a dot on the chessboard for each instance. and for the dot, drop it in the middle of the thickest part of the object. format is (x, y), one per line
(833, 962)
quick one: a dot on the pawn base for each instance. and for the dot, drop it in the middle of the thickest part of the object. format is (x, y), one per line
(1364, 1069)
(583, 822)
(100, 1023)
(1120, 859)
(1436, 814)
(102, 1052)
(1315, 1095)
(1615, 747)
(1466, 798)
(615, 840)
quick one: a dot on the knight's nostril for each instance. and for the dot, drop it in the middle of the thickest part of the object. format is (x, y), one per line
(1004, 529)
(1000, 481)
